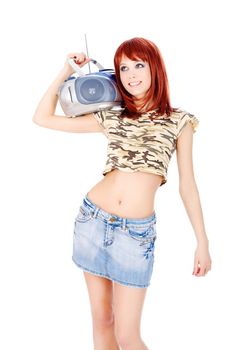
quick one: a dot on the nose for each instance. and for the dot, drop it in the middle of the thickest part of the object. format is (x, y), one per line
(132, 74)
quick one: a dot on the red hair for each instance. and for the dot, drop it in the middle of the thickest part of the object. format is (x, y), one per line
(157, 97)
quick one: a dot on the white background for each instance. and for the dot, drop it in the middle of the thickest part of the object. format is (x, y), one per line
(45, 173)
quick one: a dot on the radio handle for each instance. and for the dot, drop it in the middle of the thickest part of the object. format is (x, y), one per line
(77, 68)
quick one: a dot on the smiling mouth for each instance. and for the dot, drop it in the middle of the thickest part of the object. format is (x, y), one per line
(135, 83)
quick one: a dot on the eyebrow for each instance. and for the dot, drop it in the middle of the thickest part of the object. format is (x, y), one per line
(123, 63)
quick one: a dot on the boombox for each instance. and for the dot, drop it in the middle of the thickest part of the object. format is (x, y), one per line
(87, 93)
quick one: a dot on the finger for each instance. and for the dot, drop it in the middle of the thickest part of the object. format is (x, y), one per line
(87, 59)
(198, 273)
(196, 267)
(77, 57)
(208, 268)
(203, 271)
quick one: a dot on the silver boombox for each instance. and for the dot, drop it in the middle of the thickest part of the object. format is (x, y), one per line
(88, 93)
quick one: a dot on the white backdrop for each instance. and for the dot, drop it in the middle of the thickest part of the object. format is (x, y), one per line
(45, 173)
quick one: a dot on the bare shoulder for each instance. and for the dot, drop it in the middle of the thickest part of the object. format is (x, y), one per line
(80, 124)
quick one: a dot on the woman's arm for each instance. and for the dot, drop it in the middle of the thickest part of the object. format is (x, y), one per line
(190, 197)
(47, 106)
(45, 112)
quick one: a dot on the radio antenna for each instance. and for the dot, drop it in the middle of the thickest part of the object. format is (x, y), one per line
(87, 53)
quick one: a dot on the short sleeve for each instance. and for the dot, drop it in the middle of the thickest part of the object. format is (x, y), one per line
(184, 120)
(100, 116)
(107, 118)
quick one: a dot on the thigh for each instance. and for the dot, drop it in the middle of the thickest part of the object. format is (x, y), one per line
(128, 305)
(100, 291)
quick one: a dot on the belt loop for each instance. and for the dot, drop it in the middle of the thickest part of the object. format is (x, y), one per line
(96, 212)
(124, 224)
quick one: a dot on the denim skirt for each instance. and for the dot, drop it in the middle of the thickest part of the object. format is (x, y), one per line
(110, 246)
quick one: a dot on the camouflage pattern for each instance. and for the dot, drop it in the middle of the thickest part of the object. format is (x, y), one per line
(145, 144)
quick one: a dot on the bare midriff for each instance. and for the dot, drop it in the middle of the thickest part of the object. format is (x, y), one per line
(128, 195)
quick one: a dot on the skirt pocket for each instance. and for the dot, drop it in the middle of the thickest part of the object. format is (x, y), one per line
(142, 233)
(84, 214)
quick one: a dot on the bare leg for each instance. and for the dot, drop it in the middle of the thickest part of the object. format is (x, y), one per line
(100, 292)
(128, 305)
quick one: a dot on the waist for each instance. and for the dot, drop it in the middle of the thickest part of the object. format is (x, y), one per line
(114, 218)
(126, 194)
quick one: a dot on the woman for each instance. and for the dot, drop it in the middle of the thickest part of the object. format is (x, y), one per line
(115, 229)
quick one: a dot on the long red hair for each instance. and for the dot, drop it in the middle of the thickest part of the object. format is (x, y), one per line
(157, 97)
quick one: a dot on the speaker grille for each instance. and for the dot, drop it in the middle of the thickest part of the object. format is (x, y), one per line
(92, 90)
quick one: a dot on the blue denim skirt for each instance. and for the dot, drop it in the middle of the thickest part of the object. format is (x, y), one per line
(107, 245)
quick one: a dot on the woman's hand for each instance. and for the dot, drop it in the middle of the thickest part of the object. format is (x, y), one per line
(79, 58)
(202, 260)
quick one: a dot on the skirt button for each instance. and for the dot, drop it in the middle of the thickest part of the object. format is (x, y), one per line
(112, 219)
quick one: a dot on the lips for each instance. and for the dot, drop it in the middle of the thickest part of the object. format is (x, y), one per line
(134, 83)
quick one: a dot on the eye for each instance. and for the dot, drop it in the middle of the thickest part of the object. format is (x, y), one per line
(123, 68)
(140, 65)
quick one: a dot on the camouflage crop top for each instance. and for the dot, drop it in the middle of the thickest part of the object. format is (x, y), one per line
(142, 145)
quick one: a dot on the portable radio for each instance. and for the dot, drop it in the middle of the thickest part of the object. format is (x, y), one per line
(87, 93)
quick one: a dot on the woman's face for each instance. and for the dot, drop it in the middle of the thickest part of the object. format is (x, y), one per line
(135, 76)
